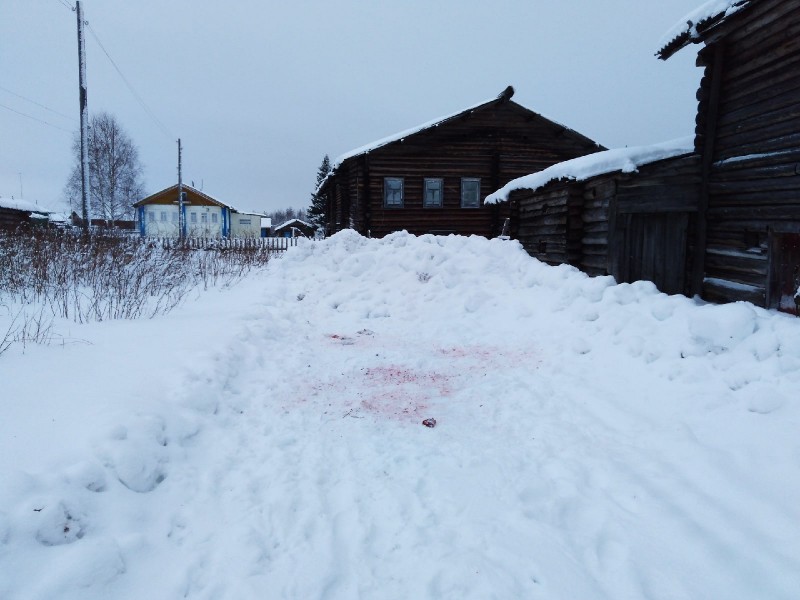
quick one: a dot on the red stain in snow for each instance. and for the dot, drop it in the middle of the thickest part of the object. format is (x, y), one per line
(400, 392)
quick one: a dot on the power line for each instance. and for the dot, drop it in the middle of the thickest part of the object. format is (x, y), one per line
(150, 113)
(66, 4)
(33, 118)
(60, 114)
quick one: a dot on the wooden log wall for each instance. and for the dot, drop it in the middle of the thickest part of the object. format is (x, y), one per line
(11, 219)
(543, 221)
(631, 226)
(495, 144)
(598, 196)
(754, 180)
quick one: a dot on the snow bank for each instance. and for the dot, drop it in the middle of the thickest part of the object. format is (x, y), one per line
(593, 440)
(626, 160)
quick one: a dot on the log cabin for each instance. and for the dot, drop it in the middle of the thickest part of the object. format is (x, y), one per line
(433, 178)
(622, 212)
(14, 213)
(747, 233)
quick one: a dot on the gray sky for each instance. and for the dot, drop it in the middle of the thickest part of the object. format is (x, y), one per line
(259, 91)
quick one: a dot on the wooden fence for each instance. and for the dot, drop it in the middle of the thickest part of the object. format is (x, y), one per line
(276, 244)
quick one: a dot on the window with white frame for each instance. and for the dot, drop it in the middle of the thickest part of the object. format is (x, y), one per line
(151, 216)
(393, 192)
(214, 217)
(193, 217)
(163, 216)
(470, 192)
(204, 218)
(432, 193)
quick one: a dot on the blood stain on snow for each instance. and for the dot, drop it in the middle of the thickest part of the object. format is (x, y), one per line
(488, 355)
(400, 392)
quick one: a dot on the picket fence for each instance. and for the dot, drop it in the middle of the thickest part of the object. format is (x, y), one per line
(276, 244)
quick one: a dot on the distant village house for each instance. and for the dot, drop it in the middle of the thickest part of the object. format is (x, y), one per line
(14, 212)
(295, 228)
(204, 216)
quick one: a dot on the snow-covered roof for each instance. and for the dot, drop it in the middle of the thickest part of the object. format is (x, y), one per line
(185, 188)
(506, 95)
(252, 213)
(23, 205)
(292, 222)
(690, 28)
(202, 195)
(626, 160)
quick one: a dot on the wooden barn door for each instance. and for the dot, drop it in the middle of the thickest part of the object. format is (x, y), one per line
(654, 249)
(785, 269)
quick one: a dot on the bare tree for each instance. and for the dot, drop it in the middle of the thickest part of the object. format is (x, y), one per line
(115, 173)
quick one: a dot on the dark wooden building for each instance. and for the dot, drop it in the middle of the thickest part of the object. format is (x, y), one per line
(13, 213)
(433, 179)
(748, 137)
(294, 228)
(623, 212)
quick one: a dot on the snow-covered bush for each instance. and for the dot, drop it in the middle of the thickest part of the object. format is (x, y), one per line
(108, 277)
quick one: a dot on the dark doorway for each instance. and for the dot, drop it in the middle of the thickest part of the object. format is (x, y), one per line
(654, 249)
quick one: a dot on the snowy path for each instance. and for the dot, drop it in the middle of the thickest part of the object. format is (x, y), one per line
(587, 446)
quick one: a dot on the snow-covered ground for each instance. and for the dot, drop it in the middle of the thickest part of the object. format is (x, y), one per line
(592, 440)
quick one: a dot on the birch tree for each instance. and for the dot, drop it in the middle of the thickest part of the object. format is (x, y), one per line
(115, 172)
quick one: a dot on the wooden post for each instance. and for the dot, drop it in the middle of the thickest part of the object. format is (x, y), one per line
(181, 223)
(84, 120)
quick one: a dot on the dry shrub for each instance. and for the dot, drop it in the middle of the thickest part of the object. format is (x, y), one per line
(98, 277)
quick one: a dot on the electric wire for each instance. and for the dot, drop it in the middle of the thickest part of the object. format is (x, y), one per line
(55, 112)
(150, 113)
(66, 4)
(33, 118)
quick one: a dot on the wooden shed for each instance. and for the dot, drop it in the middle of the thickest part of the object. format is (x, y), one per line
(294, 228)
(14, 212)
(748, 136)
(622, 212)
(433, 178)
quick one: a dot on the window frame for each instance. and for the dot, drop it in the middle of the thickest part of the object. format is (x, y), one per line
(465, 180)
(386, 183)
(425, 181)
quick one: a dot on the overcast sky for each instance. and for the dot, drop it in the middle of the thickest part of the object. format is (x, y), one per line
(259, 91)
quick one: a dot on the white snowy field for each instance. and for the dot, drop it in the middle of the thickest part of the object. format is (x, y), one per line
(593, 441)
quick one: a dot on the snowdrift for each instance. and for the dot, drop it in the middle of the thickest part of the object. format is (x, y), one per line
(592, 440)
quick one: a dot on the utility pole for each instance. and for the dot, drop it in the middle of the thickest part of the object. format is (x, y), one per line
(181, 219)
(84, 120)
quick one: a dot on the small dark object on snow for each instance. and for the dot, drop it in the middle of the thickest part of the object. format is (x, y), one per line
(429, 423)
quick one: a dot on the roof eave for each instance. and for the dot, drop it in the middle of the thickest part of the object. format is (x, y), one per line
(701, 31)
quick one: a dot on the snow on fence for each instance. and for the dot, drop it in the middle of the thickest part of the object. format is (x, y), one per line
(277, 244)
